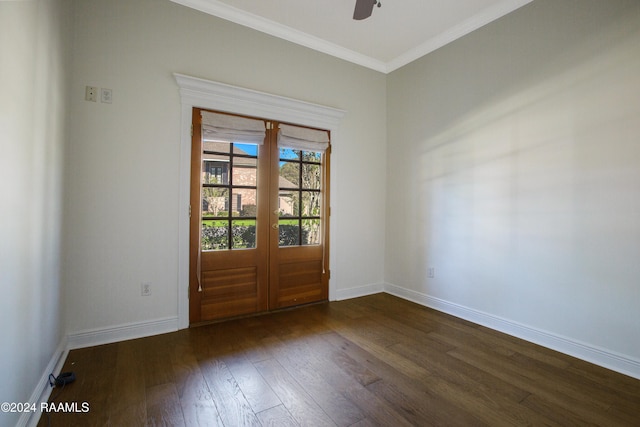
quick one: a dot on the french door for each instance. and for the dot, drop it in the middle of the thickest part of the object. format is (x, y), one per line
(259, 216)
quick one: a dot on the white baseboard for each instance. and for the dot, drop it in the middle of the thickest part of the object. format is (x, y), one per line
(124, 332)
(43, 390)
(610, 360)
(598, 356)
(86, 339)
(359, 291)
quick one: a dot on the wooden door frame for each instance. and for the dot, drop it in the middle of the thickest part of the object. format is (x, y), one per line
(196, 92)
(285, 276)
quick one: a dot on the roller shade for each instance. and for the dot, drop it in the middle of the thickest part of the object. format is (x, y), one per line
(301, 138)
(223, 127)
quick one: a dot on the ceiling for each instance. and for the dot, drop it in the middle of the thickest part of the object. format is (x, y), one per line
(397, 33)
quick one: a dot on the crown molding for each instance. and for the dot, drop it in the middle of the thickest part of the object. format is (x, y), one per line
(238, 16)
(465, 27)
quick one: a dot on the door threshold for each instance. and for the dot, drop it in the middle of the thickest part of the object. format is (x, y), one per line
(250, 315)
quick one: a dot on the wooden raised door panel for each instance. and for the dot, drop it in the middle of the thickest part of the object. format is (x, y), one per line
(297, 277)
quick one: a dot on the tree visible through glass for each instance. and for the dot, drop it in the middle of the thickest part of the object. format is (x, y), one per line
(300, 197)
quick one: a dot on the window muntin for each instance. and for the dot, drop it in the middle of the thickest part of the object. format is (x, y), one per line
(229, 195)
(300, 197)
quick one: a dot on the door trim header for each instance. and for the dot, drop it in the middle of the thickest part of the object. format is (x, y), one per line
(233, 99)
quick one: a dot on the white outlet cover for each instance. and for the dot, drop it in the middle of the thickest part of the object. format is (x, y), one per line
(91, 94)
(145, 289)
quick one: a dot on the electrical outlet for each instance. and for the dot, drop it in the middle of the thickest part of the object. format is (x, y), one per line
(91, 94)
(145, 289)
(431, 272)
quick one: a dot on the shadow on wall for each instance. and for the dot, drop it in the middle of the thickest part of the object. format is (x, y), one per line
(534, 197)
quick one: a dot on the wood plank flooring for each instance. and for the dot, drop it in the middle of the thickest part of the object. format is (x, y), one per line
(371, 361)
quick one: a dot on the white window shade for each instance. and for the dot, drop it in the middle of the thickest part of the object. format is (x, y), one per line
(300, 138)
(223, 127)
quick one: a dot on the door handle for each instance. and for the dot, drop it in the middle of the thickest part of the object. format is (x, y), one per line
(276, 212)
(274, 226)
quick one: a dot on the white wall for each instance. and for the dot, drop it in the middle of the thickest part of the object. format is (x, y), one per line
(34, 52)
(514, 171)
(122, 172)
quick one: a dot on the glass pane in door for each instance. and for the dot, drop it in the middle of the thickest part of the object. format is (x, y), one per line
(229, 192)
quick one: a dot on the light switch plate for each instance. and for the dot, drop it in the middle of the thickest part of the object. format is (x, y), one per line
(106, 95)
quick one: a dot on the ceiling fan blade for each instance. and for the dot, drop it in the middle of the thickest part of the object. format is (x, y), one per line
(363, 9)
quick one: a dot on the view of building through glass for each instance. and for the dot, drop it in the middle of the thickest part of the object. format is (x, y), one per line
(229, 196)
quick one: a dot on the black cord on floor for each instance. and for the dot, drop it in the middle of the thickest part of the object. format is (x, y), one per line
(53, 380)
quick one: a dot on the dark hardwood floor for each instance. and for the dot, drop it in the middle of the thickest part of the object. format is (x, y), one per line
(371, 361)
